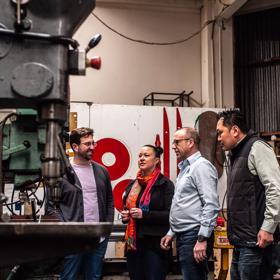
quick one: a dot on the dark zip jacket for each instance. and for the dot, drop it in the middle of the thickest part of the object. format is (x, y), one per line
(71, 206)
(155, 222)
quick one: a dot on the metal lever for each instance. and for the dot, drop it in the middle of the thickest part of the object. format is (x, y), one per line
(69, 171)
(18, 12)
(93, 42)
(19, 148)
(22, 22)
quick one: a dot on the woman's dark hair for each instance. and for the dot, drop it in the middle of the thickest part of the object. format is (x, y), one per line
(158, 150)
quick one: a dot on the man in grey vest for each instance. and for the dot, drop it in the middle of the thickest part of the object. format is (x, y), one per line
(253, 197)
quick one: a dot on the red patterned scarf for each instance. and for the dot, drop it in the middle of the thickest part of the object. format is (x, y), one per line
(130, 233)
(148, 181)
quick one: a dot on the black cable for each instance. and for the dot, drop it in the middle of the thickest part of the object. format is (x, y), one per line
(8, 207)
(12, 199)
(226, 165)
(11, 204)
(162, 43)
(196, 122)
(33, 210)
(13, 272)
(44, 195)
(32, 193)
(2, 126)
(154, 43)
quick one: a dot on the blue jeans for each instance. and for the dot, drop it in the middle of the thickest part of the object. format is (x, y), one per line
(191, 270)
(89, 263)
(251, 264)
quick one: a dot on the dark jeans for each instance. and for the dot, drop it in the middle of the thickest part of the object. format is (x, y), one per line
(148, 263)
(251, 264)
(191, 270)
(89, 263)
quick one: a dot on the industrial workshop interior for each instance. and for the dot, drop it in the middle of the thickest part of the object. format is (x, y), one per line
(145, 79)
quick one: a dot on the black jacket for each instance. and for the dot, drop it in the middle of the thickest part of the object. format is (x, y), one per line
(155, 222)
(245, 197)
(71, 207)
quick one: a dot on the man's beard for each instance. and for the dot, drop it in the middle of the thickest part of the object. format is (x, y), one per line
(86, 155)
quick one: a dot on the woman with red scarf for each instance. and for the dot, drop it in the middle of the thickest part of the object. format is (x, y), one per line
(147, 202)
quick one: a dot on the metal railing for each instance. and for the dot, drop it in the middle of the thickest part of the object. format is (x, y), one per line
(181, 99)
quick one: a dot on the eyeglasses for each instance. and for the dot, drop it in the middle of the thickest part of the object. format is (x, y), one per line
(177, 141)
(89, 144)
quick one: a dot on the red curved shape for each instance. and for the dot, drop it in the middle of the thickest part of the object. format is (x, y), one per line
(178, 125)
(178, 119)
(118, 192)
(166, 144)
(119, 150)
(157, 142)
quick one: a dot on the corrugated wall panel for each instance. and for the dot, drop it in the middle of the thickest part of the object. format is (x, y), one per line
(257, 68)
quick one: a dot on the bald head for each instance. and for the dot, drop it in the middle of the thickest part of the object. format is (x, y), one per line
(185, 143)
(192, 133)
